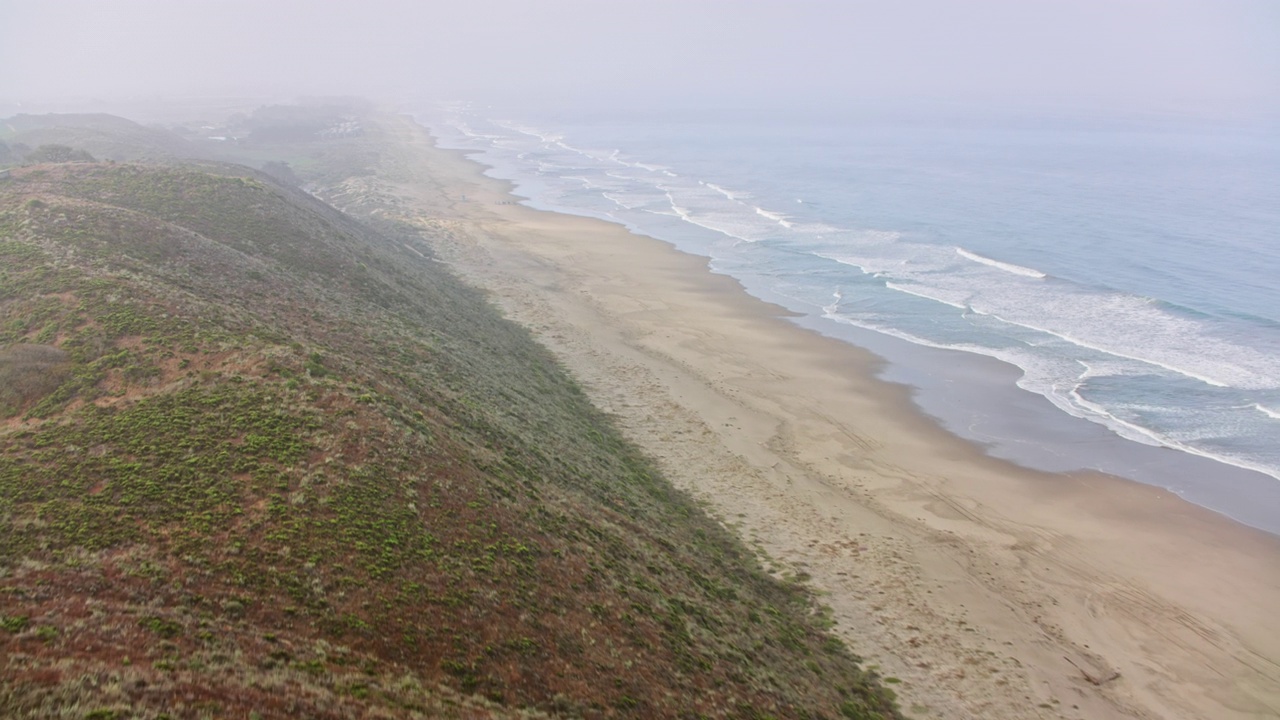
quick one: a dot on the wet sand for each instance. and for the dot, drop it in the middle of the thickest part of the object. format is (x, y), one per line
(987, 589)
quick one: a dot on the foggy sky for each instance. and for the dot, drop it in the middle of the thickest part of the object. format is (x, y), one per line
(1157, 54)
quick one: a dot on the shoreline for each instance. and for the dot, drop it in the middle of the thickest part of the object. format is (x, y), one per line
(1031, 432)
(988, 589)
(959, 390)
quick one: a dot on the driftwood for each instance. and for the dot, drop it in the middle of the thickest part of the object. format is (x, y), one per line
(1098, 680)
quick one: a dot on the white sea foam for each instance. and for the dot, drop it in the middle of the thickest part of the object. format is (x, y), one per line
(612, 155)
(727, 193)
(1138, 433)
(780, 219)
(1226, 458)
(616, 156)
(877, 256)
(1037, 381)
(578, 151)
(859, 263)
(1007, 267)
(587, 182)
(1107, 368)
(954, 301)
(546, 138)
(834, 306)
(616, 199)
(702, 222)
(469, 132)
(1046, 324)
(1125, 326)
(679, 211)
(1208, 380)
(1133, 328)
(1041, 375)
(1124, 428)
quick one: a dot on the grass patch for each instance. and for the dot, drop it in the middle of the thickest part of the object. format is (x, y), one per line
(286, 468)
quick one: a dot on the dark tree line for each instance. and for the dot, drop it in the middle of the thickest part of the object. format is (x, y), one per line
(51, 153)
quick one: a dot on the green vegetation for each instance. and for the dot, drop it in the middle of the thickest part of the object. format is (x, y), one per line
(102, 136)
(258, 460)
(57, 153)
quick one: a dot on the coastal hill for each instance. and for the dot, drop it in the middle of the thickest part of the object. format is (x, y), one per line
(106, 137)
(261, 459)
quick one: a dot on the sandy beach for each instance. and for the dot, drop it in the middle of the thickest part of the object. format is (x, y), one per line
(982, 589)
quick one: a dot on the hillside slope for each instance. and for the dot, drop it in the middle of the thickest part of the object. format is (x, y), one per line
(258, 458)
(106, 137)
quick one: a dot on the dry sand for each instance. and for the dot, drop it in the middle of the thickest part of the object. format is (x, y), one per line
(987, 590)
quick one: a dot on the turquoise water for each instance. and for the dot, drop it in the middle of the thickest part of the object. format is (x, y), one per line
(1128, 272)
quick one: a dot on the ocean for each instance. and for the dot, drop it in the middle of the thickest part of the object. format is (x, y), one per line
(1069, 294)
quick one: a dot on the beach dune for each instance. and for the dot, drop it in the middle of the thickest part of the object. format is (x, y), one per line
(982, 589)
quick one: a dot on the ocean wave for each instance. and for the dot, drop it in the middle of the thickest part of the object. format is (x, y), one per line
(1125, 326)
(469, 132)
(1103, 369)
(680, 212)
(652, 168)
(780, 219)
(705, 223)
(584, 153)
(1123, 428)
(616, 156)
(1007, 267)
(720, 210)
(1132, 328)
(1163, 374)
(587, 182)
(959, 304)
(1035, 379)
(613, 155)
(849, 261)
(727, 193)
(876, 256)
(1138, 433)
(1119, 335)
(1040, 375)
(613, 198)
(546, 138)
(834, 306)
(1079, 342)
